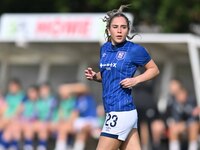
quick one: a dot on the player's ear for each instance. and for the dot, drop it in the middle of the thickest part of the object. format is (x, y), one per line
(108, 31)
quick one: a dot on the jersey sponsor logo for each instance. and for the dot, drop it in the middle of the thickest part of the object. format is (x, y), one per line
(108, 66)
(112, 65)
(120, 55)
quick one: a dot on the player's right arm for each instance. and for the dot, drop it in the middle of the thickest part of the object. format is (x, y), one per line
(92, 75)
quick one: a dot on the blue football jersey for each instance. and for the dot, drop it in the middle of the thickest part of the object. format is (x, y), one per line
(86, 106)
(117, 63)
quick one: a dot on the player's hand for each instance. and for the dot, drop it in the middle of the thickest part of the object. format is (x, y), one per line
(196, 111)
(89, 74)
(128, 82)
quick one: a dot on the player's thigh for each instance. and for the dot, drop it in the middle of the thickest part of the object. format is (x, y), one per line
(177, 127)
(157, 127)
(117, 127)
(106, 143)
(193, 130)
(132, 142)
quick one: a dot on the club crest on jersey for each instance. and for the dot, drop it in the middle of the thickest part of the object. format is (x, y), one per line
(120, 55)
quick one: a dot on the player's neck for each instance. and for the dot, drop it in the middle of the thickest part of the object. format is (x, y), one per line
(117, 45)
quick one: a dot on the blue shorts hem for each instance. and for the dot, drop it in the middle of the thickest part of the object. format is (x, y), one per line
(109, 135)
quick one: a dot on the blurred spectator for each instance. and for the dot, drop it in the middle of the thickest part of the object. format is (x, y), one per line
(62, 120)
(86, 120)
(29, 117)
(84, 117)
(159, 132)
(101, 119)
(180, 118)
(3, 105)
(9, 122)
(46, 106)
(147, 111)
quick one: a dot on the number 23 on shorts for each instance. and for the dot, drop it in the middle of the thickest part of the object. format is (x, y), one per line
(111, 120)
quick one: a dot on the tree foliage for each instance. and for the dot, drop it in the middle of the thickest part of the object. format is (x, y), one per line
(171, 15)
(177, 15)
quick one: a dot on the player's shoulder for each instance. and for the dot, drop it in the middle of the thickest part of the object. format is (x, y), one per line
(134, 46)
(105, 45)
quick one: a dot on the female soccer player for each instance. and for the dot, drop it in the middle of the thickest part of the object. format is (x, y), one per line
(119, 59)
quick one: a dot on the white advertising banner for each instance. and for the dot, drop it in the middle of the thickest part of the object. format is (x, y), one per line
(53, 27)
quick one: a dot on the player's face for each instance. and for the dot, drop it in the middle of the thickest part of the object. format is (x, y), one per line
(45, 91)
(118, 30)
(32, 94)
(174, 87)
(13, 88)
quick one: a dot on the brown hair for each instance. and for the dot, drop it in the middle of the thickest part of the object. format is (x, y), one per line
(111, 15)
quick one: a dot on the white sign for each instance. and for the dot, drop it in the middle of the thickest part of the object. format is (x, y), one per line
(53, 27)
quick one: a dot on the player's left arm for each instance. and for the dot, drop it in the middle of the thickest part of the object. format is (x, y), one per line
(74, 88)
(150, 72)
